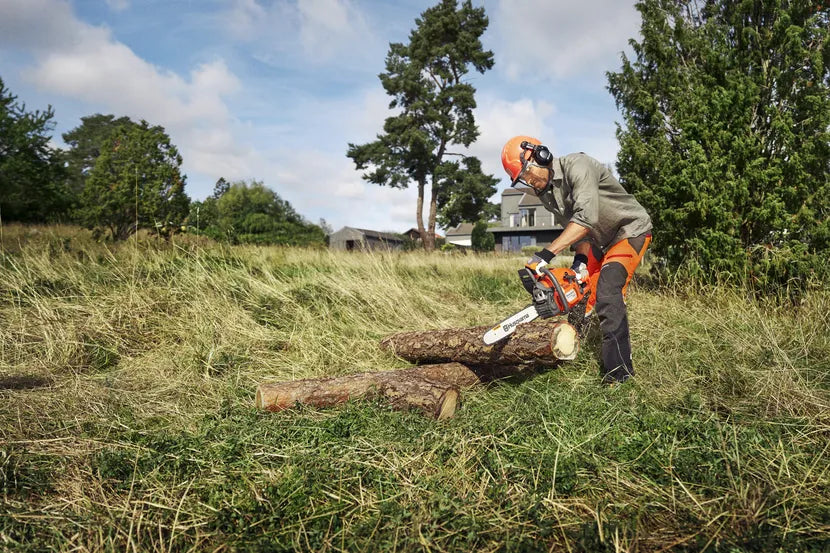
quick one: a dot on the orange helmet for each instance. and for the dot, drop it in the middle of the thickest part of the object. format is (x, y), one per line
(518, 151)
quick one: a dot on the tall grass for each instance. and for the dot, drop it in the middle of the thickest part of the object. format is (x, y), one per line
(127, 376)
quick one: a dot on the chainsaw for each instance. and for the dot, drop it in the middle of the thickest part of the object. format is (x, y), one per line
(556, 292)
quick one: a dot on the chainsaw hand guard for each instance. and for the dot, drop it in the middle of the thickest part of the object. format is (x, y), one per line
(528, 279)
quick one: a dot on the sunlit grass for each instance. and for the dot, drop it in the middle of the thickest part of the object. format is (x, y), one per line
(127, 423)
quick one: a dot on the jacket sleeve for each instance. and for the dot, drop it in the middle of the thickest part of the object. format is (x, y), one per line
(584, 180)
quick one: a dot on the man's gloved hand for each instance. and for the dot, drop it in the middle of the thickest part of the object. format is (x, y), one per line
(580, 267)
(539, 261)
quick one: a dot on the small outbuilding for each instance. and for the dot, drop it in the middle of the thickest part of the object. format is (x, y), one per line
(461, 235)
(349, 239)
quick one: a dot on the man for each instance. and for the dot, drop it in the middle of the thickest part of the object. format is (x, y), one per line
(608, 230)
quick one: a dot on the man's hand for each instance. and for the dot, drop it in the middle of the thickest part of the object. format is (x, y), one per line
(580, 267)
(539, 261)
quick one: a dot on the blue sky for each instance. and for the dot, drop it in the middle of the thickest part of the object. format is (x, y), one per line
(275, 90)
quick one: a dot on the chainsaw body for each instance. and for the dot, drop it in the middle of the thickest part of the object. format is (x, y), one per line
(554, 292)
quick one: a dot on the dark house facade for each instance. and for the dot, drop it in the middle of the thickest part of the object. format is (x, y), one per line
(524, 222)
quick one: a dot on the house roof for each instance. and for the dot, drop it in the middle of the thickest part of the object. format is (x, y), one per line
(511, 192)
(463, 228)
(529, 200)
(387, 236)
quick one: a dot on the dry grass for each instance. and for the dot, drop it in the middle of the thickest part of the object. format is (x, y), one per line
(127, 375)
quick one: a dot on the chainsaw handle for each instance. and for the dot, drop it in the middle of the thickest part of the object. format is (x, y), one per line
(558, 287)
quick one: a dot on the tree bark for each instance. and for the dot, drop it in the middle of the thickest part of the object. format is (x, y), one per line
(432, 389)
(433, 196)
(535, 344)
(419, 215)
(433, 207)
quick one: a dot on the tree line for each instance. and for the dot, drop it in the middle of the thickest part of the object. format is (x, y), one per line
(118, 176)
(724, 139)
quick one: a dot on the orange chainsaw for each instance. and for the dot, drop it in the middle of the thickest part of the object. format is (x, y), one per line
(554, 292)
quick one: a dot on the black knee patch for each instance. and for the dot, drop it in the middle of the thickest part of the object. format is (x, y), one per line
(638, 242)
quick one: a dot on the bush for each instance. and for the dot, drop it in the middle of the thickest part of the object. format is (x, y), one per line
(482, 241)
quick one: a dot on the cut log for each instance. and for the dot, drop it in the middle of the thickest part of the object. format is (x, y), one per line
(432, 389)
(540, 343)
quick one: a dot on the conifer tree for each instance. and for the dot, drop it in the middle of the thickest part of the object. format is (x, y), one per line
(32, 179)
(725, 138)
(136, 183)
(426, 80)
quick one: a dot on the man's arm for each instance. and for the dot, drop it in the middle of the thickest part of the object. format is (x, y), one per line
(573, 233)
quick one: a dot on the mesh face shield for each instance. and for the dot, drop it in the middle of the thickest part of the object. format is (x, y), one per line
(520, 183)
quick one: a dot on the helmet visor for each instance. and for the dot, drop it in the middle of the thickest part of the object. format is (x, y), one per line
(521, 182)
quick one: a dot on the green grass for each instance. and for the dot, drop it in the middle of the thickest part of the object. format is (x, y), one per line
(127, 378)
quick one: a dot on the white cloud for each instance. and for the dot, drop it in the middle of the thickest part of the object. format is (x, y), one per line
(324, 30)
(37, 24)
(244, 18)
(562, 38)
(499, 120)
(118, 5)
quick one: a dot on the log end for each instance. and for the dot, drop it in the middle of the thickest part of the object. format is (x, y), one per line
(447, 405)
(263, 402)
(564, 342)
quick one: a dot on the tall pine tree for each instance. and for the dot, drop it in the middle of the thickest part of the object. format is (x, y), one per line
(426, 78)
(725, 139)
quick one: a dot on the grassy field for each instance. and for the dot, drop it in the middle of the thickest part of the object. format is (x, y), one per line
(128, 372)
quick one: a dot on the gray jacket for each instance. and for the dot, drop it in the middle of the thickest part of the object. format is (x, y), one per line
(583, 191)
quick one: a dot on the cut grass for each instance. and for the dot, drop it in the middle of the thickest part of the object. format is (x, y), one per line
(127, 421)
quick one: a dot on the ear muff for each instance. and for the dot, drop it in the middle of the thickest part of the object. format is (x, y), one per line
(540, 154)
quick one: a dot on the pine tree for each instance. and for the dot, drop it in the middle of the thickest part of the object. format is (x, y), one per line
(426, 80)
(32, 179)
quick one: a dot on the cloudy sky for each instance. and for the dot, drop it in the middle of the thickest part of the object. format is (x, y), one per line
(275, 90)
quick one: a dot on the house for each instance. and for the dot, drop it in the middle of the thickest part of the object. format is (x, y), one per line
(524, 222)
(349, 239)
(462, 235)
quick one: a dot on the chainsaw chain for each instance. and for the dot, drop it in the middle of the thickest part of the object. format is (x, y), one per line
(577, 319)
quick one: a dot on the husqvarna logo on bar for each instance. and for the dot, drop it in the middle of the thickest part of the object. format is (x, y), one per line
(512, 324)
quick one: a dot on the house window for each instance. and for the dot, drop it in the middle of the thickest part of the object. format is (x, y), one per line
(514, 219)
(528, 217)
(516, 243)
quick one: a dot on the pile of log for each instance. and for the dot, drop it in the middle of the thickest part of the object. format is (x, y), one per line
(447, 361)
